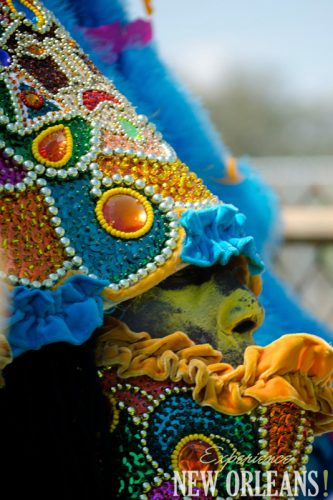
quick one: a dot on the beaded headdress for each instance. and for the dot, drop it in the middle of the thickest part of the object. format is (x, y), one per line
(86, 183)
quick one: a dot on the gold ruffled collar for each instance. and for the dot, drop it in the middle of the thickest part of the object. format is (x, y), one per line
(296, 368)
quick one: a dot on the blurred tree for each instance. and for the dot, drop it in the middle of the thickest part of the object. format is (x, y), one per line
(256, 116)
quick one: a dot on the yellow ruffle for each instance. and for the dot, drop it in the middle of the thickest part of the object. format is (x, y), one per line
(295, 368)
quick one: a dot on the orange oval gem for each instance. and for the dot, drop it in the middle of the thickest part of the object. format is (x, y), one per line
(53, 147)
(31, 99)
(125, 213)
(198, 455)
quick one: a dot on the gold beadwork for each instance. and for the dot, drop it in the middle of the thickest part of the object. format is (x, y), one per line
(30, 5)
(168, 178)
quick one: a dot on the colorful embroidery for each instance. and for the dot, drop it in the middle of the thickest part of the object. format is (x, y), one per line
(162, 430)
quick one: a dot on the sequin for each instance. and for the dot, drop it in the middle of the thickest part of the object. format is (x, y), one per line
(91, 98)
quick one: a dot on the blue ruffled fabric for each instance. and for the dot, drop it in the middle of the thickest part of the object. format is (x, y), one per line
(69, 314)
(214, 235)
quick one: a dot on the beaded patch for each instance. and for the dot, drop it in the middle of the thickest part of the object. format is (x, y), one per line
(112, 188)
(77, 219)
(160, 429)
(169, 179)
(28, 243)
(27, 105)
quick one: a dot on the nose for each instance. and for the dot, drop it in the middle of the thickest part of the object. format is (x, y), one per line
(240, 313)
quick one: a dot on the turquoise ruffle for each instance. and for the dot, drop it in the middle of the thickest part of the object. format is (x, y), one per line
(69, 314)
(214, 235)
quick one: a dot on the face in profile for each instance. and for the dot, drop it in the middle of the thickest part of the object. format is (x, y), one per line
(211, 305)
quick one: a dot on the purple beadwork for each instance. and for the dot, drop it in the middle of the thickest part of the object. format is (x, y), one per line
(166, 491)
(10, 172)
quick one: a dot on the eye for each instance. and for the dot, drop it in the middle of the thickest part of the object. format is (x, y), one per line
(238, 266)
(188, 276)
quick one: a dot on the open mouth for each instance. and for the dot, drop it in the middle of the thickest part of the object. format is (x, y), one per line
(247, 325)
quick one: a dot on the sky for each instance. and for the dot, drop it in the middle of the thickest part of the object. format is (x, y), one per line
(208, 40)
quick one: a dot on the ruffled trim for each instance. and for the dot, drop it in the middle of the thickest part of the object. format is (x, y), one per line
(296, 368)
(214, 235)
(69, 314)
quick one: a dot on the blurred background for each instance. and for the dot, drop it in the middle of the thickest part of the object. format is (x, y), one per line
(264, 71)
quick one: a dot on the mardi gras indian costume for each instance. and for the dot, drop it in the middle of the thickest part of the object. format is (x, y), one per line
(100, 222)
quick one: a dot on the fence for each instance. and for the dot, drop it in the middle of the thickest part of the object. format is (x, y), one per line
(305, 261)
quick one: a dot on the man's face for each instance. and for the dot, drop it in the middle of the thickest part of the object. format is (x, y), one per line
(211, 305)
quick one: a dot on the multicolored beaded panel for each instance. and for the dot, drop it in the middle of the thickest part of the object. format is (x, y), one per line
(85, 182)
(157, 428)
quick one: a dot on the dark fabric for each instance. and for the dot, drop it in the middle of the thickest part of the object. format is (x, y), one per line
(54, 426)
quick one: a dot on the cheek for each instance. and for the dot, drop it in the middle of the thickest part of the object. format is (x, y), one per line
(195, 305)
